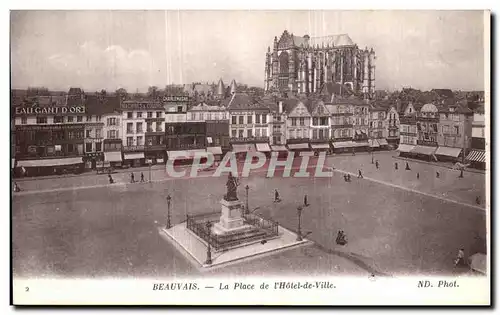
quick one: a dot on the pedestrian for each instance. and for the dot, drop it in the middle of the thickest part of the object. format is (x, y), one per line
(395, 165)
(353, 153)
(111, 181)
(418, 175)
(460, 259)
(478, 200)
(407, 166)
(376, 164)
(305, 201)
(276, 196)
(132, 179)
(16, 187)
(348, 177)
(142, 177)
(461, 173)
(345, 177)
(437, 174)
(360, 175)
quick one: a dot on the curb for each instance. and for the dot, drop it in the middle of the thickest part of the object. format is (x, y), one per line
(438, 165)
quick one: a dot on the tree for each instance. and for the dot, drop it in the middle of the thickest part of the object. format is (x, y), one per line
(153, 92)
(122, 93)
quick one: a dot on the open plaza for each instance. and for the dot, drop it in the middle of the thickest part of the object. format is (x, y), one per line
(396, 223)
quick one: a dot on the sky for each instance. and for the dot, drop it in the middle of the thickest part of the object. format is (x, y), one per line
(98, 50)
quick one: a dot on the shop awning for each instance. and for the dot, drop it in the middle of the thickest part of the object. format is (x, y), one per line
(112, 156)
(238, 148)
(298, 146)
(263, 147)
(360, 144)
(278, 148)
(474, 156)
(320, 146)
(448, 151)
(382, 141)
(343, 144)
(425, 150)
(214, 150)
(50, 162)
(373, 143)
(133, 156)
(406, 148)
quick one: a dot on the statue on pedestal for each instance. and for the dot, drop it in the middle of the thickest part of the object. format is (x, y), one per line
(232, 186)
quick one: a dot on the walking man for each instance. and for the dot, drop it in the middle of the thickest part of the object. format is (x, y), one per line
(111, 181)
(132, 179)
(460, 260)
(478, 200)
(437, 174)
(376, 164)
(418, 175)
(407, 166)
(360, 175)
(396, 165)
(276, 196)
(142, 177)
(461, 173)
(305, 201)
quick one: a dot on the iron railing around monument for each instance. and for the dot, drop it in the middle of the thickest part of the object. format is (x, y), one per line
(265, 229)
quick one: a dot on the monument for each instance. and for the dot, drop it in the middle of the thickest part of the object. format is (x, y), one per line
(231, 219)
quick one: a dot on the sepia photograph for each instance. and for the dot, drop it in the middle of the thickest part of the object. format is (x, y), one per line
(232, 157)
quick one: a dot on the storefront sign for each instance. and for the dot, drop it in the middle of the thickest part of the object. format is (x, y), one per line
(249, 140)
(55, 110)
(141, 105)
(49, 127)
(176, 98)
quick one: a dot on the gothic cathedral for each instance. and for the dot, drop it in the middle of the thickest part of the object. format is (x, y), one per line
(301, 65)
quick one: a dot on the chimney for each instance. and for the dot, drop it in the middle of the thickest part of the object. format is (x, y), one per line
(280, 104)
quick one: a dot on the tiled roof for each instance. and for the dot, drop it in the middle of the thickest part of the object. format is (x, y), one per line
(233, 86)
(245, 101)
(206, 107)
(332, 40)
(335, 89)
(97, 105)
(221, 90)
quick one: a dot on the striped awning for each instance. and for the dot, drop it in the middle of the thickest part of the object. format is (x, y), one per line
(214, 150)
(448, 151)
(425, 150)
(239, 148)
(263, 147)
(343, 144)
(278, 148)
(373, 143)
(112, 156)
(320, 146)
(405, 148)
(133, 156)
(50, 162)
(382, 141)
(298, 146)
(183, 154)
(476, 156)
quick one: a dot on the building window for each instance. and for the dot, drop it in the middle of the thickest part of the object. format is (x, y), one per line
(249, 133)
(158, 114)
(264, 119)
(457, 130)
(240, 120)
(88, 147)
(233, 120)
(302, 121)
(240, 133)
(98, 146)
(233, 133)
(70, 148)
(41, 120)
(111, 121)
(130, 128)
(140, 140)
(98, 118)
(24, 120)
(70, 118)
(315, 134)
(264, 132)
(130, 141)
(149, 127)
(249, 119)
(158, 127)
(150, 114)
(79, 118)
(98, 133)
(294, 121)
(138, 127)
(315, 121)
(179, 109)
(58, 119)
(130, 115)
(89, 118)
(112, 134)
(257, 132)
(257, 118)
(324, 121)
(139, 114)
(88, 133)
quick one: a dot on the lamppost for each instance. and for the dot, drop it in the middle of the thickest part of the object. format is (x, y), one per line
(150, 162)
(209, 250)
(299, 232)
(168, 212)
(247, 210)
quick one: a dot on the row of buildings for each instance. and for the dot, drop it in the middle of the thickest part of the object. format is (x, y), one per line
(78, 131)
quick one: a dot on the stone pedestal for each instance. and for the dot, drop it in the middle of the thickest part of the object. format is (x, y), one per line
(231, 220)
